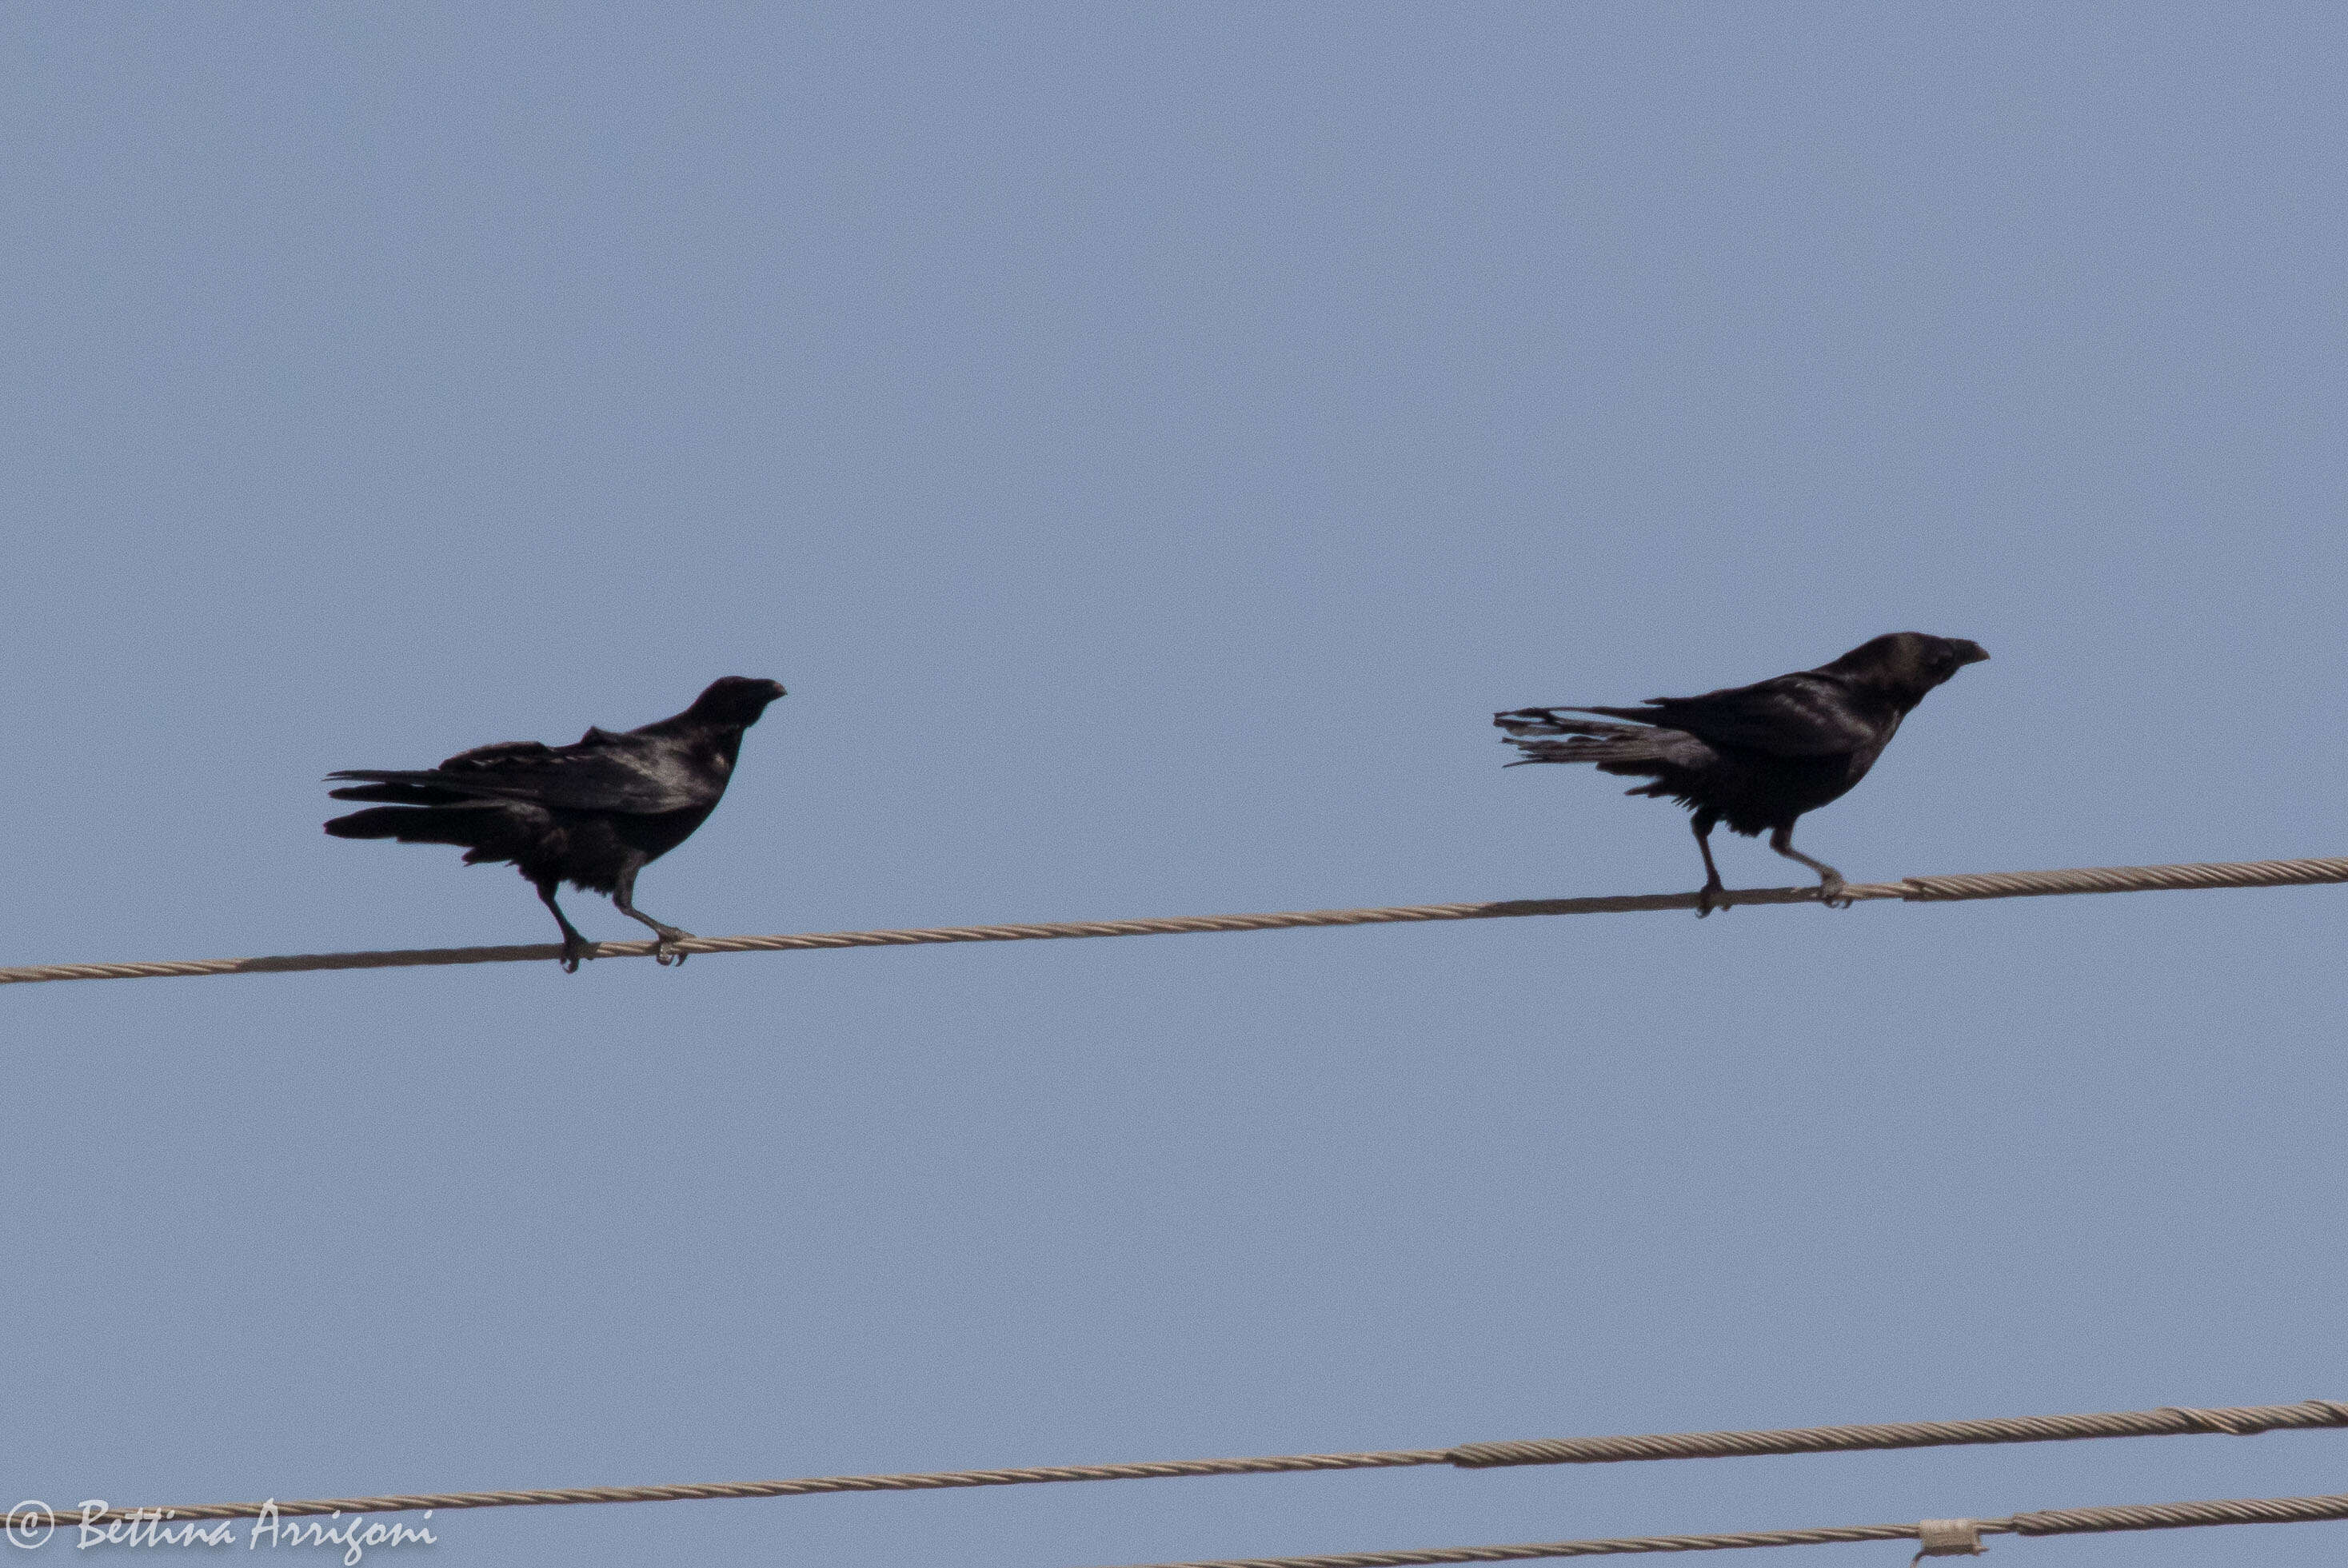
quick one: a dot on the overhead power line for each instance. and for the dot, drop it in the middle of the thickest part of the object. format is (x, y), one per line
(1913, 889)
(1936, 1537)
(2245, 1420)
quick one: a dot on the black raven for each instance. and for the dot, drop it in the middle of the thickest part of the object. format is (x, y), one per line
(592, 814)
(1756, 757)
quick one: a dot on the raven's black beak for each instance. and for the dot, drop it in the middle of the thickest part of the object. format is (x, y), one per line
(1969, 652)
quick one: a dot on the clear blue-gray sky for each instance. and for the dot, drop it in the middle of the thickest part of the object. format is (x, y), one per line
(1149, 442)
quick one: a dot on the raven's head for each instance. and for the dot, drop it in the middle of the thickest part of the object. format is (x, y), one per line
(1906, 664)
(735, 700)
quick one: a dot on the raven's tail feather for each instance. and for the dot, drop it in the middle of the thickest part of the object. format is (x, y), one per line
(468, 825)
(1588, 740)
(401, 795)
(402, 788)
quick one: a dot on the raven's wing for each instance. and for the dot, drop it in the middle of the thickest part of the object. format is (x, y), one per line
(1799, 715)
(604, 775)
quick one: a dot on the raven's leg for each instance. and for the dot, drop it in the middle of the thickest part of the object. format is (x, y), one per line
(574, 946)
(1705, 821)
(1830, 882)
(624, 896)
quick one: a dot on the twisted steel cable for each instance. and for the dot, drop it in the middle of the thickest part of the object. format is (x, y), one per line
(1913, 889)
(1943, 1537)
(2181, 1515)
(931, 1480)
(2242, 1421)
(2169, 1421)
(1832, 1535)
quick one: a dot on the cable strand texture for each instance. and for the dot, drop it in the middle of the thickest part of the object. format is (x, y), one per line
(2053, 1522)
(2169, 1421)
(1913, 889)
(1832, 1535)
(2242, 1421)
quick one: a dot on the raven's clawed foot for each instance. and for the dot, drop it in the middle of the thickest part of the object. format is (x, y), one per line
(575, 948)
(663, 953)
(1830, 891)
(1711, 896)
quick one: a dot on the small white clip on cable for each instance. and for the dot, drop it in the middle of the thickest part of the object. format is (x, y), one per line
(1948, 1538)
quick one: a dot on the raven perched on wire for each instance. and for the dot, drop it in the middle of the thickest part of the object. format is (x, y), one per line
(592, 814)
(1756, 757)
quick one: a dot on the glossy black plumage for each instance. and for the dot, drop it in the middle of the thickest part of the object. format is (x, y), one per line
(1755, 757)
(591, 815)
